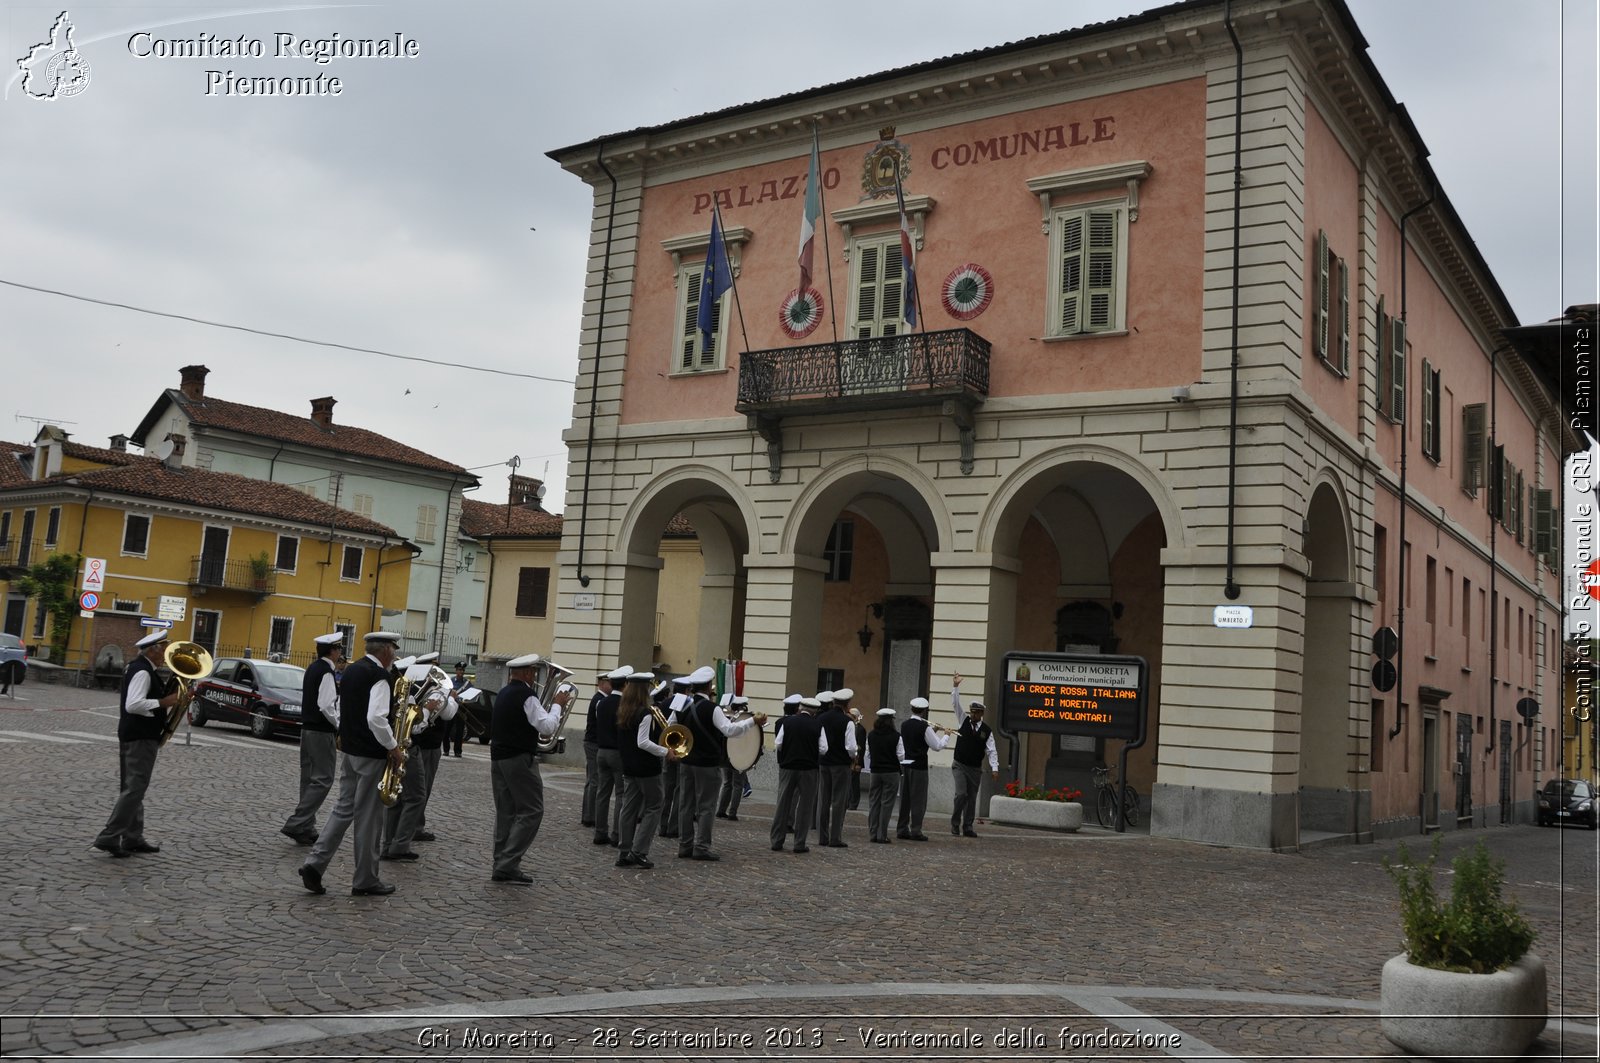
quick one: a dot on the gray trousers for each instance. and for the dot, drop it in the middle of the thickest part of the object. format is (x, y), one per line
(732, 791)
(880, 803)
(833, 793)
(591, 782)
(357, 806)
(697, 806)
(669, 798)
(318, 760)
(405, 817)
(967, 780)
(641, 811)
(136, 763)
(607, 783)
(913, 799)
(797, 793)
(518, 809)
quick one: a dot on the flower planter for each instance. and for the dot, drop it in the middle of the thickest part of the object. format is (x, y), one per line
(1450, 1015)
(1050, 815)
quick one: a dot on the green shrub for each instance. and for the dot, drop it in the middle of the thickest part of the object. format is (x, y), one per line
(1478, 931)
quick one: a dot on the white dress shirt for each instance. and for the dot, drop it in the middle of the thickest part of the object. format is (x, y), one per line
(328, 698)
(899, 754)
(543, 720)
(822, 740)
(961, 718)
(933, 738)
(378, 710)
(642, 739)
(139, 702)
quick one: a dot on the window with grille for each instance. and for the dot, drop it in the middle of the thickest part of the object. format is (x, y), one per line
(878, 287)
(693, 355)
(427, 523)
(350, 570)
(281, 636)
(839, 551)
(135, 534)
(533, 591)
(1088, 270)
(288, 553)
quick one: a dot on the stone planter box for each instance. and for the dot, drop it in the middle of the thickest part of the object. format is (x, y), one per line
(1050, 815)
(1449, 1015)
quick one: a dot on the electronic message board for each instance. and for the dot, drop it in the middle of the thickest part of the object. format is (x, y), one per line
(1073, 694)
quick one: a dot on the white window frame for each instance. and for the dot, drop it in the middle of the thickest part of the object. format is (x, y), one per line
(689, 254)
(149, 526)
(873, 249)
(344, 563)
(1117, 322)
(288, 642)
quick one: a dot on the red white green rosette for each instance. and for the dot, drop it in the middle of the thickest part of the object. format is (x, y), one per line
(800, 313)
(967, 291)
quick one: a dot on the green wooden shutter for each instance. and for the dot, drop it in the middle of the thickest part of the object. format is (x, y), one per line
(879, 282)
(1101, 290)
(1385, 394)
(1398, 327)
(1344, 318)
(1543, 525)
(1474, 424)
(1427, 409)
(689, 339)
(1319, 333)
(1071, 294)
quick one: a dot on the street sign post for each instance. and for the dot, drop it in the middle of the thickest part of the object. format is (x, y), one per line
(94, 574)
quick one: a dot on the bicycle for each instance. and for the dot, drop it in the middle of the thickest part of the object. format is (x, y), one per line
(1106, 801)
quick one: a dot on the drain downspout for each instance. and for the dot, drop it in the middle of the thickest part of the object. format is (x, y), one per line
(594, 377)
(1230, 589)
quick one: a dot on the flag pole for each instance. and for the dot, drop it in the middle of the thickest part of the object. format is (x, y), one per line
(733, 283)
(827, 251)
(908, 266)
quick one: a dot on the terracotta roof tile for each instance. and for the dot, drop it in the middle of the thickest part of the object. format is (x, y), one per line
(484, 520)
(273, 424)
(101, 454)
(12, 474)
(149, 478)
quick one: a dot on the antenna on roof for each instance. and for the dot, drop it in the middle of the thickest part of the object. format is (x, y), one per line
(38, 421)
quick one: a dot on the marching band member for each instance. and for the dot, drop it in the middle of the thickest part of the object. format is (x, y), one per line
(519, 720)
(734, 783)
(591, 750)
(608, 762)
(881, 764)
(140, 725)
(319, 732)
(458, 729)
(842, 698)
(365, 694)
(700, 775)
(677, 701)
(834, 771)
(403, 821)
(974, 740)
(799, 744)
(642, 757)
(918, 738)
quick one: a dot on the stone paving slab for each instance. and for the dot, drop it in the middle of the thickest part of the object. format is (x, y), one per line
(212, 942)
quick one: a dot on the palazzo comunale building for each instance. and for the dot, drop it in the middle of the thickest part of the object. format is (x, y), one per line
(1139, 389)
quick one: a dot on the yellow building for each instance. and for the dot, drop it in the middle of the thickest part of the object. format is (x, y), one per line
(236, 564)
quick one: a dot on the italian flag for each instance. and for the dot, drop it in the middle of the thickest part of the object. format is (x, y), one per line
(808, 222)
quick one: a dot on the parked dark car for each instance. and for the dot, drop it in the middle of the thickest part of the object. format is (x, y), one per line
(262, 695)
(476, 708)
(1568, 801)
(13, 660)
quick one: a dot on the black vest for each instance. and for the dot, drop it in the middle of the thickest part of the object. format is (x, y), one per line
(605, 721)
(132, 727)
(639, 763)
(710, 744)
(971, 742)
(799, 749)
(588, 723)
(510, 733)
(355, 690)
(311, 717)
(834, 724)
(884, 745)
(913, 733)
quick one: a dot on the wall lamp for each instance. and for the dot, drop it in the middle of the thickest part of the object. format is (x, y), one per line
(873, 610)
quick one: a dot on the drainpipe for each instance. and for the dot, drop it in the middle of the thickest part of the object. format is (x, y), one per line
(377, 575)
(444, 541)
(1494, 560)
(1405, 452)
(1230, 589)
(488, 596)
(594, 377)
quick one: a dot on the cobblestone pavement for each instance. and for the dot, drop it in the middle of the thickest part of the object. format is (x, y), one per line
(1017, 945)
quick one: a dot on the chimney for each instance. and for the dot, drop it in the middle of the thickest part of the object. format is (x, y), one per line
(194, 382)
(322, 411)
(179, 441)
(527, 492)
(119, 443)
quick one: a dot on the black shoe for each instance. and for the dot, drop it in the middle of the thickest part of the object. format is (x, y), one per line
(684, 854)
(904, 834)
(517, 878)
(669, 834)
(969, 834)
(424, 836)
(642, 863)
(142, 846)
(614, 843)
(114, 849)
(400, 856)
(722, 815)
(838, 845)
(304, 837)
(706, 856)
(802, 848)
(625, 860)
(602, 839)
(732, 818)
(588, 823)
(778, 848)
(955, 832)
(919, 837)
(382, 889)
(879, 841)
(313, 880)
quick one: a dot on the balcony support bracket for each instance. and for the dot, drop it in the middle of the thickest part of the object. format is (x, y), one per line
(960, 412)
(770, 429)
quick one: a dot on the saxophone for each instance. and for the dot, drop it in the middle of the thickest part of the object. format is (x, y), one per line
(403, 716)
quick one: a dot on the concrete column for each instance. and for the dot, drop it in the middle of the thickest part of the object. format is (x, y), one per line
(717, 601)
(782, 634)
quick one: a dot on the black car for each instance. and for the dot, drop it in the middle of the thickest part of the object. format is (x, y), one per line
(476, 708)
(263, 695)
(1568, 801)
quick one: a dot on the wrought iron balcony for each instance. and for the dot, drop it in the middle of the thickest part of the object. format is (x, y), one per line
(16, 555)
(221, 574)
(870, 374)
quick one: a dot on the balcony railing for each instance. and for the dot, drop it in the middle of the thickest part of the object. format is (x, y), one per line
(215, 572)
(887, 371)
(17, 554)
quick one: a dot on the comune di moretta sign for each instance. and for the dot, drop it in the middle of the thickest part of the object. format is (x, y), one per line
(1073, 694)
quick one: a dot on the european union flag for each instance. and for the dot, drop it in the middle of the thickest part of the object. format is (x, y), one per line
(716, 279)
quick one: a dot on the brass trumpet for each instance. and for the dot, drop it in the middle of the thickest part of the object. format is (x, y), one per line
(189, 663)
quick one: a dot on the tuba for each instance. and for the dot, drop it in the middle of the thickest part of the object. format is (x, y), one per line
(189, 663)
(406, 714)
(548, 680)
(436, 681)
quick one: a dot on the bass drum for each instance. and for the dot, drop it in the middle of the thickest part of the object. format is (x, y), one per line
(745, 749)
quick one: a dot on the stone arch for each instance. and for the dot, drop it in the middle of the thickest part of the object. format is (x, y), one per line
(868, 475)
(1334, 798)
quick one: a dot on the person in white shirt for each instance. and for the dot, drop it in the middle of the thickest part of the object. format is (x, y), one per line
(880, 763)
(974, 742)
(140, 728)
(639, 734)
(520, 719)
(319, 735)
(405, 821)
(919, 737)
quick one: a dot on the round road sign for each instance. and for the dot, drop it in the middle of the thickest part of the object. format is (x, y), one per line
(88, 600)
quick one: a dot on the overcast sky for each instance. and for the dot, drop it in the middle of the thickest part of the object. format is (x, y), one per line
(416, 213)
